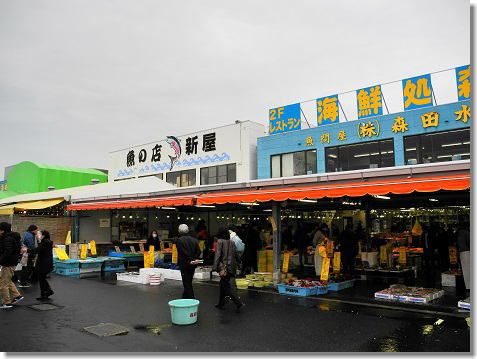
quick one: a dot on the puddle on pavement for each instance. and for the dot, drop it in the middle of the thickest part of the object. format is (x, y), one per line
(154, 329)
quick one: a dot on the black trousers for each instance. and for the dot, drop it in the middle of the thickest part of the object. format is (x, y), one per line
(44, 285)
(228, 288)
(187, 276)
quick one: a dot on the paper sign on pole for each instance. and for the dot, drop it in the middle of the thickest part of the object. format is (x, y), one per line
(286, 262)
(133, 250)
(92, 247)
(141, 247)
(383, 255)
(329, 248)
(84, 251)
(174, 254)
(337, 262)
(68, 238)
(147, 262)
(274, 223)
(325, 269)
(402, 256)
(62, 256)
(453, 255)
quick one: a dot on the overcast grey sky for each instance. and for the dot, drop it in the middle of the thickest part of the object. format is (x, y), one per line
(81, 78)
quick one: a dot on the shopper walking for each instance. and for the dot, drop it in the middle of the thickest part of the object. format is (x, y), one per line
(10, 245)
(189, 252)
(29, 242)
(226, 263)
(44, 263)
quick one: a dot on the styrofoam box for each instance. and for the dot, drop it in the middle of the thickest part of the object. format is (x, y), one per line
(202, 276)
(133, 277)
(166, 273)
(150, 271)
(463, 305)
(382, 296)
(448, 280)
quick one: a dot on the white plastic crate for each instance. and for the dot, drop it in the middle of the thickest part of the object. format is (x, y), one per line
(133, 277)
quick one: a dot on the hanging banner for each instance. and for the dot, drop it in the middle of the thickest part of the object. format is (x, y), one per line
(383, 255)
(147, 262)
(327, 110)
(84, 251)
(417, 92)
(286, 262)
(284, 119)
(453, 255)
(337, 262)
(151, 256)
(402, 256)
(325, 269)
(92, 248)
(174, 254)
(370, 101)
(462, 75)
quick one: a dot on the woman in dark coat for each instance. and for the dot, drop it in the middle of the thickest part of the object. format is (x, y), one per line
(226, 258)
(153, 240)
(44, 263)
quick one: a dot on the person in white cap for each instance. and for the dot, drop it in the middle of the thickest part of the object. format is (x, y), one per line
(188, 251)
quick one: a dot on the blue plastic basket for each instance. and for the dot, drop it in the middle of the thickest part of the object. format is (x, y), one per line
(89, 265)
(321, 289)
(341, 285)
(184, 311)
(296, 291)
(114, 268)
(66, 264)
(69, 272)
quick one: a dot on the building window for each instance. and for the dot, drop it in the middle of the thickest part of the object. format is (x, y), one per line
(293, 164)
(218, 174)
(437, 147)
(181, 178)
(360, 156)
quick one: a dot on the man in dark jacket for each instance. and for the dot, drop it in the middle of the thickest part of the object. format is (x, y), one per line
(188, 251)
(10, 244)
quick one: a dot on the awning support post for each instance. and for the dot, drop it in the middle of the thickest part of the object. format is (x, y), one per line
(277, 241)
(76, 221)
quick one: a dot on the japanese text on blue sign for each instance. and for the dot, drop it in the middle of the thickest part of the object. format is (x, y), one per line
(327, 110)
(463, 82)
(417, 92)
(284, 119)
(370, 101)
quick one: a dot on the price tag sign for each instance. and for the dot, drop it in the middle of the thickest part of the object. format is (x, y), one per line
(133, 250)
(141, 247)
(402, 256)
(325, 269)
(62, 256)
(117, 249)
(92, 247)
(453, 255)
(151, 256)
(383, 255)
(286, 262)
(147, 262)
(84, 251)
(174, 254)
(337, 262)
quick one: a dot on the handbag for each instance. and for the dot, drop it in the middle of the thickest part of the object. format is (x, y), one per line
(223, 271)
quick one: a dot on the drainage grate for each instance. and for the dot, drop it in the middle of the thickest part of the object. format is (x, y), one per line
(107, 329)
(43, 307)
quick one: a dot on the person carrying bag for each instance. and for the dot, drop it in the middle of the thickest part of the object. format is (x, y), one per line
(226, 263)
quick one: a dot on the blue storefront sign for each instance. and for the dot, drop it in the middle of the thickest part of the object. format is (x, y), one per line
(462, 75)
(284, 119)
(327, 110)
(369, 101)
(417, 92)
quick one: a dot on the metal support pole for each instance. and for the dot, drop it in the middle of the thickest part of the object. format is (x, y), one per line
(277, 241)
(76, 225)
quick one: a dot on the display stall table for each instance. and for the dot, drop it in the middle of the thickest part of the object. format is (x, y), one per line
(404, 276)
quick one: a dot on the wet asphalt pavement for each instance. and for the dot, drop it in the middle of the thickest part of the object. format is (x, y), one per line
(268, 323)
